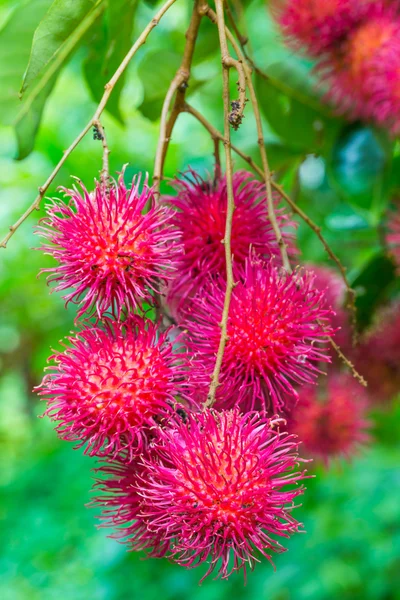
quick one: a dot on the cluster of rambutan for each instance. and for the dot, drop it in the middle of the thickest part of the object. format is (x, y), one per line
(196, 484)
(357, 44)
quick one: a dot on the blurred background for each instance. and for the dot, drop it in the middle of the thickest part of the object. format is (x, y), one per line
(344, 175)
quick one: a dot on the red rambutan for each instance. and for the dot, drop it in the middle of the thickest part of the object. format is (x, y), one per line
(329, 419)
(318, 25)
(364, 72)
(112, 384)
(109, 253)
(277, 326)
(200, 218)
(214, 491)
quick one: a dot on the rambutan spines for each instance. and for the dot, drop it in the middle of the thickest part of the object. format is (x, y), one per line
(214, 490)
(363, 73)
(110, 254)
(277, 334)
(112, 384)
(200, 218)
(316, 26)
(330, 419)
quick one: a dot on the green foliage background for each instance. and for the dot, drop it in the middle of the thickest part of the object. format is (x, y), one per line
(344, 175)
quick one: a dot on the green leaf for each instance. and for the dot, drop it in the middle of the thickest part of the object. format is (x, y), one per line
(292, 109)
(60, 22)
(108, 46)
(28, 117)
(156, 71)
(26, 128)
(15, 45)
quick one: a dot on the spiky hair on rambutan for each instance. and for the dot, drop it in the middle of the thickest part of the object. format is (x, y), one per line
(110, 255)
(200, 214)
(218, 488)
(363, 73)
(277, 333)
(316, 26)
(113, 383)
(330, 418)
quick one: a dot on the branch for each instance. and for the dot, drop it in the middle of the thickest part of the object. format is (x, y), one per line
(229, 209)
(260, 140)
(100, 134)
(103, 103)
(348, 363)
(177, 88)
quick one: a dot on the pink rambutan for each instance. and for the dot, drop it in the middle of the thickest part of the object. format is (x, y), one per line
(318, 25)
(277, 327)
(109, 253)
(215, 491)
(364, 72)
(330, 419)
(112, 384)
(200, 218)
(393, 236)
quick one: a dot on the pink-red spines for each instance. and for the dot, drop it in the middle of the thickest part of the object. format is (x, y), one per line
(215, 490)
(110, 254)
(200, 218)
(121, 485)
(363, 74)
(330, 419)
(113, 383)
(277, 334)
(393, 235)
(316, 26)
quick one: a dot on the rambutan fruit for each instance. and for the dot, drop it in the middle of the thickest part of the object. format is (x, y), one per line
(215, 490)
(109, 253)
(200, 215)
(277, 331)
(113, 383)
(330, 418)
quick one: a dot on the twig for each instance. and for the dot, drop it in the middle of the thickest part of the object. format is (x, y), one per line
(237, 106)
(243, 39)
(100, 134)
(348, 363)
(229, 209)
(103, 103)
(177, 88)
(260, 140)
